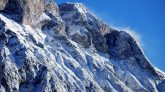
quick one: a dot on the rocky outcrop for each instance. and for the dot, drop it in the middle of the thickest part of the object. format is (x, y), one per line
(3, 4)
(44, 48)
(122, 46)
(30, 12)
(83, 27)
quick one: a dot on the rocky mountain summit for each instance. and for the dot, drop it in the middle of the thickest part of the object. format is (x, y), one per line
(66, 48)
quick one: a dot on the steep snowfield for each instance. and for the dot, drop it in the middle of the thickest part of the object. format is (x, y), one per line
(72, 53)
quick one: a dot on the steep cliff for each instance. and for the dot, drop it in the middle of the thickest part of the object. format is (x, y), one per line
(66, 48)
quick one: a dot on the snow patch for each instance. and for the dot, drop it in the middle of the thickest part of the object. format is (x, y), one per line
(44, 17)
(77, 29)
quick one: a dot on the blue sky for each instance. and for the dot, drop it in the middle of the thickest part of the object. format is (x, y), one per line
(145, 17)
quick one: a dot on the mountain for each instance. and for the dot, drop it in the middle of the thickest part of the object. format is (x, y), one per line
(66, 48)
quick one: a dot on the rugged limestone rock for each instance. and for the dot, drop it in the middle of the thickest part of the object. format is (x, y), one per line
(29, 10)
(123, 46)
(68, 50)
(33, 12)
(83, 27)
(3, 4)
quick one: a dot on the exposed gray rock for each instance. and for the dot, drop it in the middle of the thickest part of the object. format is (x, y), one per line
(83, 27)
(123, 46)
(29, 12)
(70, 51)
(3, 4)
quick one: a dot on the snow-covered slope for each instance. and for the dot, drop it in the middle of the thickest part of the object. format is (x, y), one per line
(66, 48)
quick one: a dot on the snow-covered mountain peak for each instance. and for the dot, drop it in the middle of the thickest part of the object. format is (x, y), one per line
(73, 7)
(66, 48)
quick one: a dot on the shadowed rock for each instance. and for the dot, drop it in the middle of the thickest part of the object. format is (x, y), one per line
(44, 51)
(83, 27)
(28, 11)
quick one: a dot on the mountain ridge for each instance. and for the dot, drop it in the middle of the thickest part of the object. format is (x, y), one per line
(65, 48)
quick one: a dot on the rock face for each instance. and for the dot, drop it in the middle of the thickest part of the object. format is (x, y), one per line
(66, 48)
(3, 4)
(83, 27)
(29, 11)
